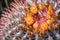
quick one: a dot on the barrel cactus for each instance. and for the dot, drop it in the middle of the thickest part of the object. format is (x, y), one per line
(31, 20)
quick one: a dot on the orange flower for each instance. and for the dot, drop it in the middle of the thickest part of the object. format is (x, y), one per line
(44, 26)
(35, 26)
(48, 17)
(50, 12)
(48, 22)
(29, 19)
(53, 19)
(41, 6)
(50, 7)
(34, 9)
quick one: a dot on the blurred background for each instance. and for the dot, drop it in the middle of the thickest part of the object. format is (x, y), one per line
(4, 4)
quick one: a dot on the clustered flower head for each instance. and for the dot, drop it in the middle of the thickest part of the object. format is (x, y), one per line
(36, 17)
